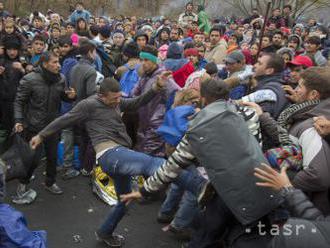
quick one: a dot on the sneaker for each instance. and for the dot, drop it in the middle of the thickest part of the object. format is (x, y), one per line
(207, 193)
(54, 189)
(164, 218)
(115, 240)
(25, 198)
(70, 173)
(21, 189)
(180, 233)
(185, 245)
(86, 173)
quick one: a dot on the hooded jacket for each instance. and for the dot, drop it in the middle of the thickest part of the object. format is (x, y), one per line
(151, 115)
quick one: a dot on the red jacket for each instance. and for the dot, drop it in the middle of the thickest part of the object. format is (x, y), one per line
(180, 76)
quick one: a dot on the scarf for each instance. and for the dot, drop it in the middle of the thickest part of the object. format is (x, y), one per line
(49, 77)
(287, 117)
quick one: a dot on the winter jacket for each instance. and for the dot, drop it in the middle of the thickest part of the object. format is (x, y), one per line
(318, 58)
(9, 82)
(229, 159)
(82, 78)
(274, 83)
(314, 179)
(38, 99)
(151, 116)
(217, 53)
(185, 17)
(180, 76)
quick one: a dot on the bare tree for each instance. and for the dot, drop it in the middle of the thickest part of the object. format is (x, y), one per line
(300, 7)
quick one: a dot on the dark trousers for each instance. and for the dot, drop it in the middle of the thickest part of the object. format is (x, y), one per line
(211, 224)
(86, 150)
(50, 148)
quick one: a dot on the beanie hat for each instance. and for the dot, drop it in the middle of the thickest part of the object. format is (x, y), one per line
(75, 39)
(174, 51)
(12, 43)
(286, 50)
(191, 52)
(140, 33)
(165, 29)
(105, 31)
(117, 31)
(131, 50)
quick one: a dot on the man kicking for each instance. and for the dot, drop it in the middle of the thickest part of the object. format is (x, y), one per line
(101, 114)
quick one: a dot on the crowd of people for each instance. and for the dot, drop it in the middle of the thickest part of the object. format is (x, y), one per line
(232, 119)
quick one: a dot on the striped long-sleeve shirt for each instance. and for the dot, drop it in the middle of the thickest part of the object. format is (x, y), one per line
(183, 156)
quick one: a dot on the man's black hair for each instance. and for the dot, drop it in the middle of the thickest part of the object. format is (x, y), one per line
(150, 49)
(214, 90)
(64, 40)
(275, 61)
(287, 6)
(109, 85)
(86, 46)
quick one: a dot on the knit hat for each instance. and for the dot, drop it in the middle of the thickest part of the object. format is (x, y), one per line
(174, 51)
(12, 43)
(105, 31)
(117, 31)
(235, 57)
(75, 39)
(165, 29)
(286, 50)
(191, 52)
(131, 50)
(140, 33)
(147, 27)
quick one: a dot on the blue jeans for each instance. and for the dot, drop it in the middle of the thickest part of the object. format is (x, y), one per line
(121, 164)
(187, 202)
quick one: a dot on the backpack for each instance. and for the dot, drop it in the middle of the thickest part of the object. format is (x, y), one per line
(129, 79)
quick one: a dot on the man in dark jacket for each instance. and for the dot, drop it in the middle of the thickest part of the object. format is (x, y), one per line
(232, 153)
(268, 92)
(311, 98)
(37, 103)
(307, 227)
(83, 78)
(11, 72)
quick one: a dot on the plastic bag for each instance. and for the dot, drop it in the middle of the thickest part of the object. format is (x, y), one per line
(14, 231)
(18, 158)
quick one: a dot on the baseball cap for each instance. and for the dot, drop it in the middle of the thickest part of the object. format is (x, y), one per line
(234, 57)
(301, 60)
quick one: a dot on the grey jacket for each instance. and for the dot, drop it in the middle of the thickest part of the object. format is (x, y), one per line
(221, 141)
(83, 77)
(103, 123)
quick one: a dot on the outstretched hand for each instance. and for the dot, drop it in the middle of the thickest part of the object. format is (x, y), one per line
(271, 178)
(253, 105)
(127, 198)
(162, 80)
(35, 141)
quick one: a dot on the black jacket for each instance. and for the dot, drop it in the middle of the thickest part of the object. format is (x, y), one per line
(273, 83)
(38, 100)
